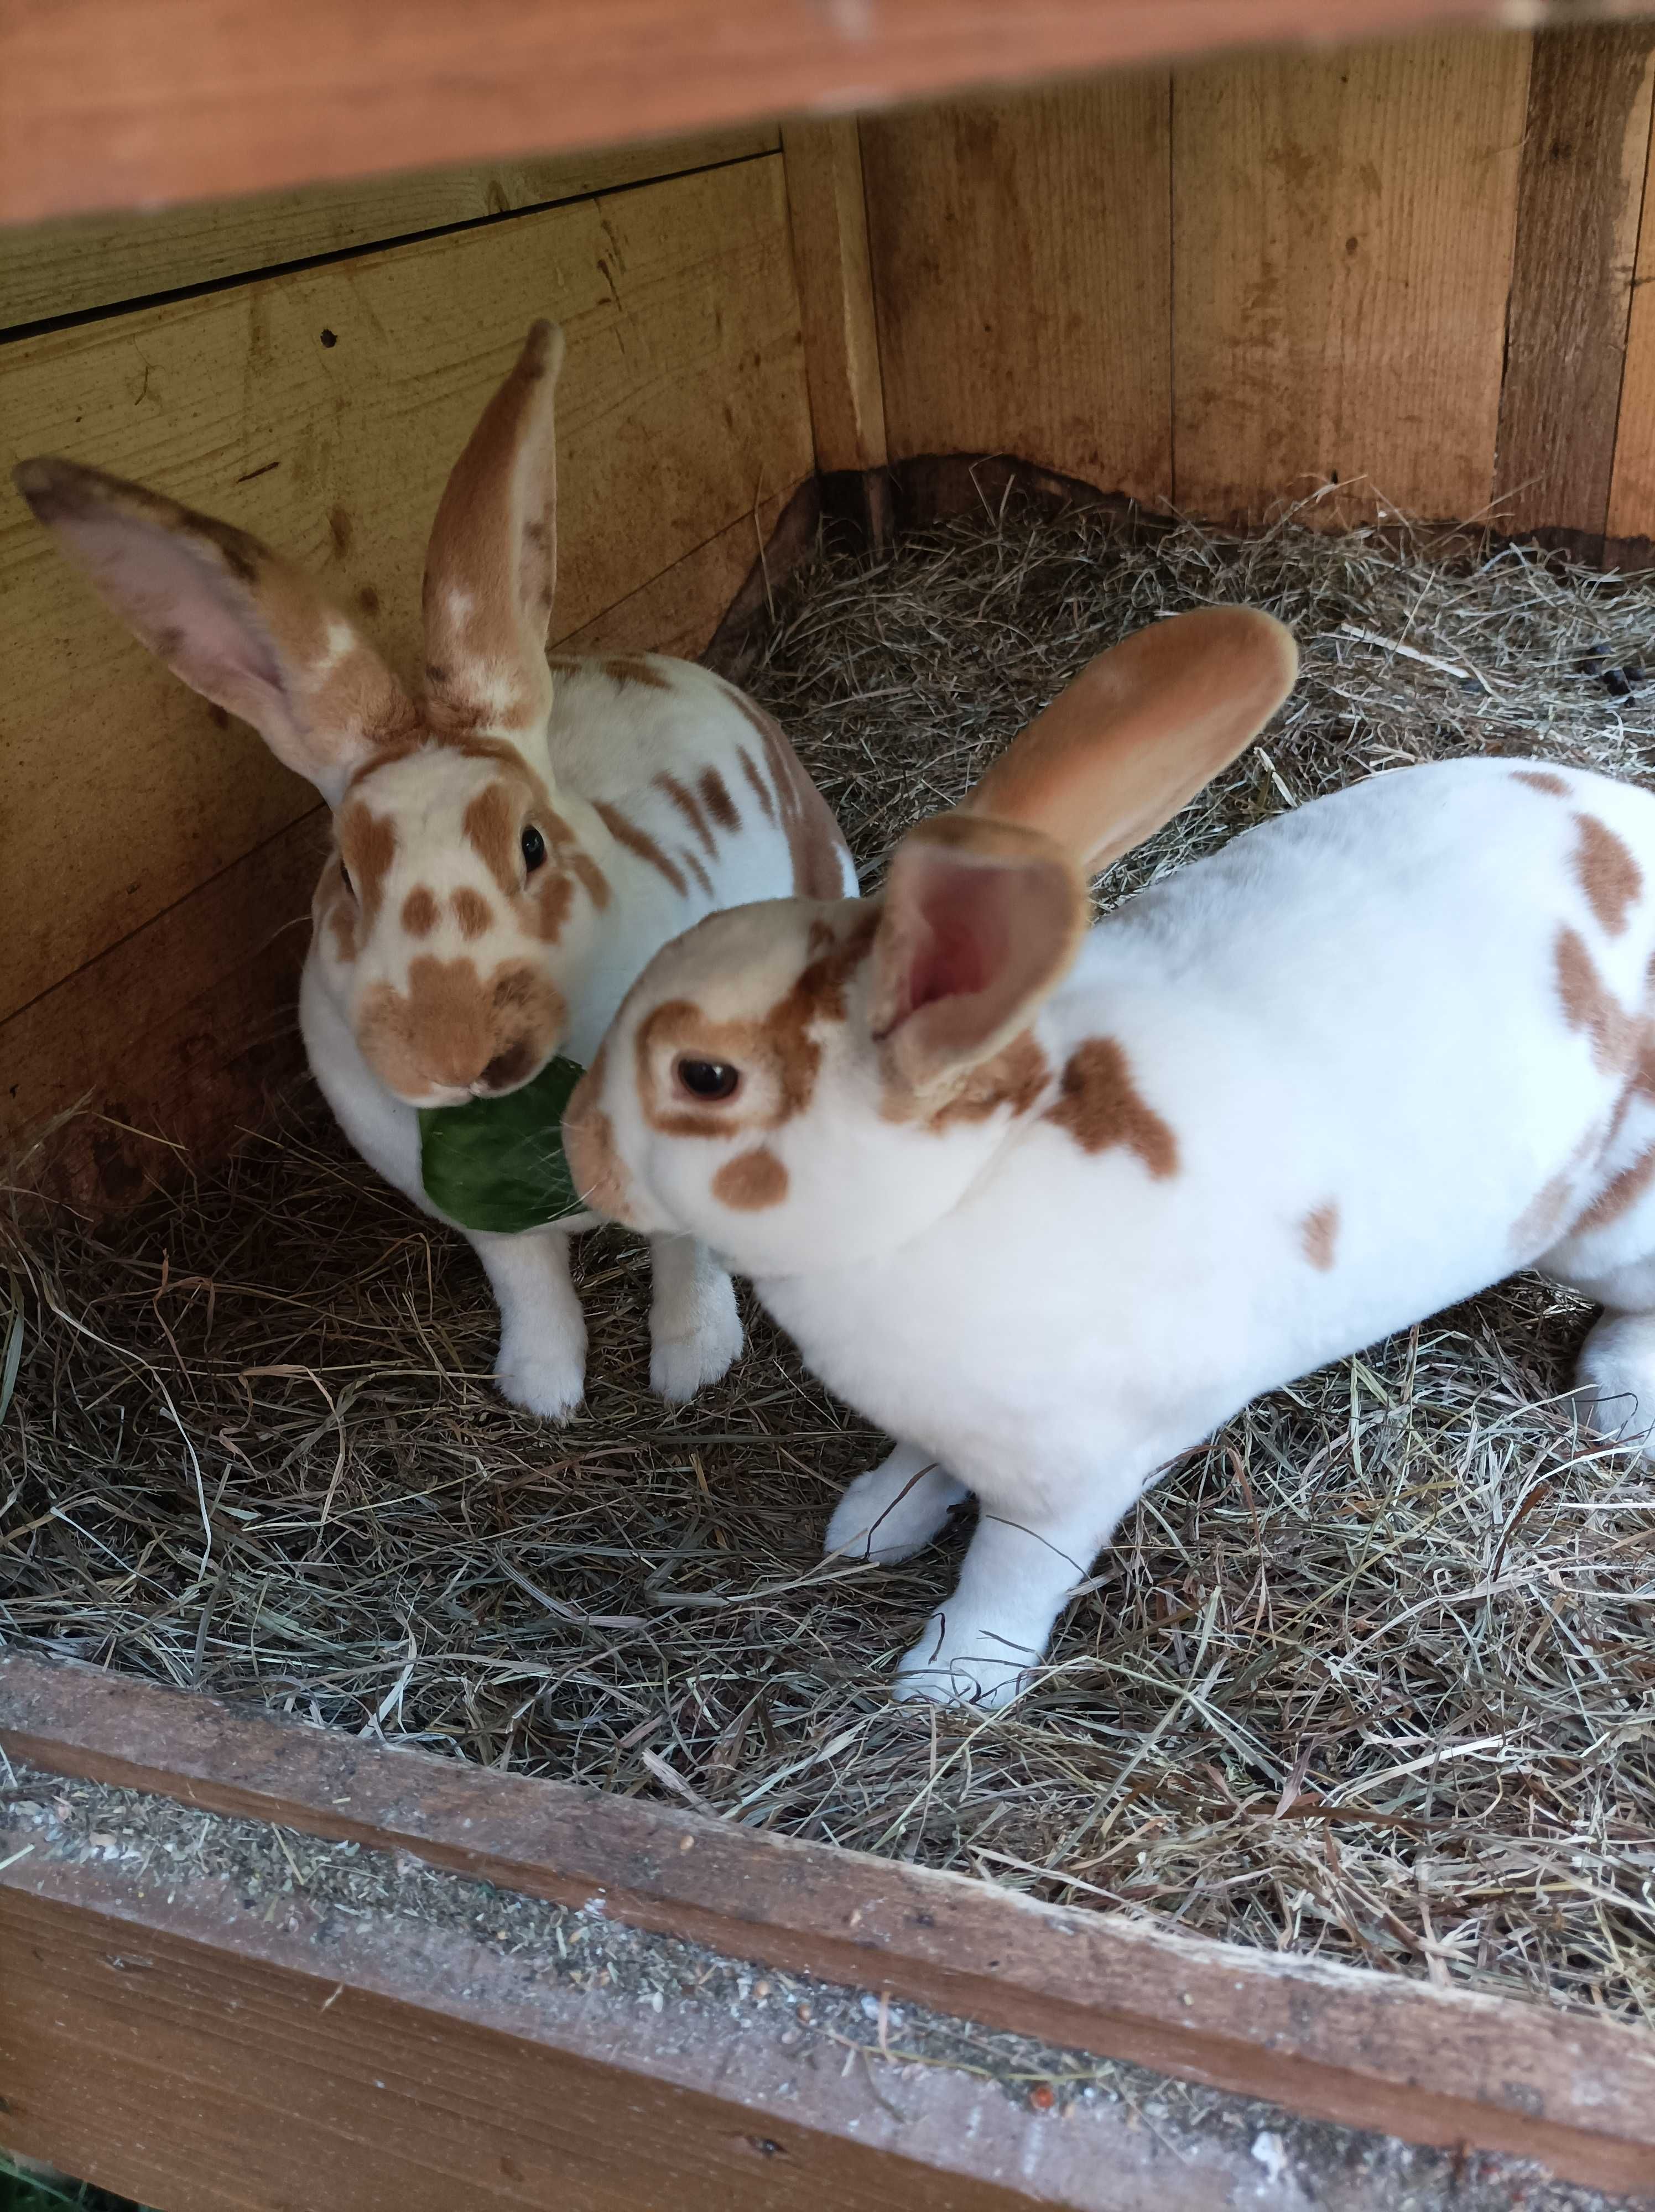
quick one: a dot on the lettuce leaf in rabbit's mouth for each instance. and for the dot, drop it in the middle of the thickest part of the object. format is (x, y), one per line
(497, 1163)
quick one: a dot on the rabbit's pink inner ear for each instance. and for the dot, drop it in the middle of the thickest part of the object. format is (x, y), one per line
(491, 567)
(229, 617)
(1140, 730)
(980, 920)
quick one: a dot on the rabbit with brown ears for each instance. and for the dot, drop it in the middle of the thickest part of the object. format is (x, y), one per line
(1049, 1203)
(512, 840)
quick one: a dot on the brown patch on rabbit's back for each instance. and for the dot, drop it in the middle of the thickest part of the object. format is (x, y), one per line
(1607, 872)
(752, 1180)
(815, 843)
(1318, 1234)
(1542, 780)
(1100, 1106)
(633, 668)
(1589, 1005)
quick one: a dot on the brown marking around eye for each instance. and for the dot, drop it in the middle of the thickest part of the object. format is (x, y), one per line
(554, 895)
(639, 843)
(1619, 1195)
(761, 789)
(420, 912)
(812, 835)
(472, 911)
(1541, 779)
(491, 825)
(690, 807)
(1589, 1005)
(1603, 865)
(1015, 1077)
(368, 842)
(632, 668)
(716, 798)
(1100, 1106)
(752, 1180)
(1318, 1234)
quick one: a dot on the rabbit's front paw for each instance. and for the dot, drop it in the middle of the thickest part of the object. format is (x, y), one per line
(967, 1665)
(895, 1510)
(543, 1376)
(688, 1360)
(1614, 1390)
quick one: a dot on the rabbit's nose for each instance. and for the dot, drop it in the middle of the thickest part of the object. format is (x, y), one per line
(509, 1068)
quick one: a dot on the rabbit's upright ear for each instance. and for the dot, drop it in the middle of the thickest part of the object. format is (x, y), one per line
(491, 567)
(980, 920)
(1140, 730)
(237, 623)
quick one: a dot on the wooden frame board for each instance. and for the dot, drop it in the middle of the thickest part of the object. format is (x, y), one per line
(106, 106)
(1435, 2066)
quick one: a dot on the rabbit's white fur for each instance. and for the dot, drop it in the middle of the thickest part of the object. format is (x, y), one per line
(445, 964)
(1372, 1057)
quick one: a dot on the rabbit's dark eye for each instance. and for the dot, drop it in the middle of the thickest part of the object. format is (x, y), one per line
(708, 1078)
(534, 849)
(345, 878)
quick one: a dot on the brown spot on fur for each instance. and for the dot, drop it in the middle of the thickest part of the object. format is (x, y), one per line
(813, 838)
(368, 845)
(1099, 1105)
(472, 911)
(752, 1180)
(490, 823)
(1620, 1194)
(1589, 1005)
(566, 663)
(761, 789)
(1318, 1234)
(1541, 779)
(1536, 1228)
(1611, 879)
(553, 892)
(640, 843)
(452, 1024)
(697, 869)
(716, 798)
(631, 668)
(1015, 1077)
(593, 881)
(690, 807)
(420, 912)
(369, 599)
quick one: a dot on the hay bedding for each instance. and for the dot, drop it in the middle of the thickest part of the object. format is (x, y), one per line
(1371, 1675)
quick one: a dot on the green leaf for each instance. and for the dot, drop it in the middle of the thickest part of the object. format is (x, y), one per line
(497, 1163)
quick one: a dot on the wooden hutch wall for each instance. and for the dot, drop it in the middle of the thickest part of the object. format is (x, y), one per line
(1406, 277)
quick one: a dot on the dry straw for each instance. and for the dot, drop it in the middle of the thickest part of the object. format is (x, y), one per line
(1372, 1674)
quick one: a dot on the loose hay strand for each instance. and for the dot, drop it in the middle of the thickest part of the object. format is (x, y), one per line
(1370, 1675)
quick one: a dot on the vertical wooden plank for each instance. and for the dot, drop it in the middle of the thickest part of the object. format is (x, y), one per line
(828, 214)
(1630, 528)
(1021, 254)
(1342, 237)
(1578, 201)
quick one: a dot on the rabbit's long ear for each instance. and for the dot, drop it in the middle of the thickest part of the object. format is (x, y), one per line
(492, 564)
(239, 624)
(980, 920)
(1140, 730)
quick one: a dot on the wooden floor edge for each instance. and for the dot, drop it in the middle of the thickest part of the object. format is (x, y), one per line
(1434, 2067)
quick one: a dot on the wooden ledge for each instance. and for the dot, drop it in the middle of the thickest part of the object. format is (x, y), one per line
(1433, 2066)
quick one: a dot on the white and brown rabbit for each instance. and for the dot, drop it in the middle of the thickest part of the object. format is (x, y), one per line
(511, 843)
(1049, 1203)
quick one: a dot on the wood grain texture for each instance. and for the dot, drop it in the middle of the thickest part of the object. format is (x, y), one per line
(1022, 273)
(1630, 525)
(69, 268)
(1433, 2065)
(1578, 201)
(173, 1039)
(106, 106)
(323, 411)
(828, 214)
(1343, 231)
(208, 2055)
